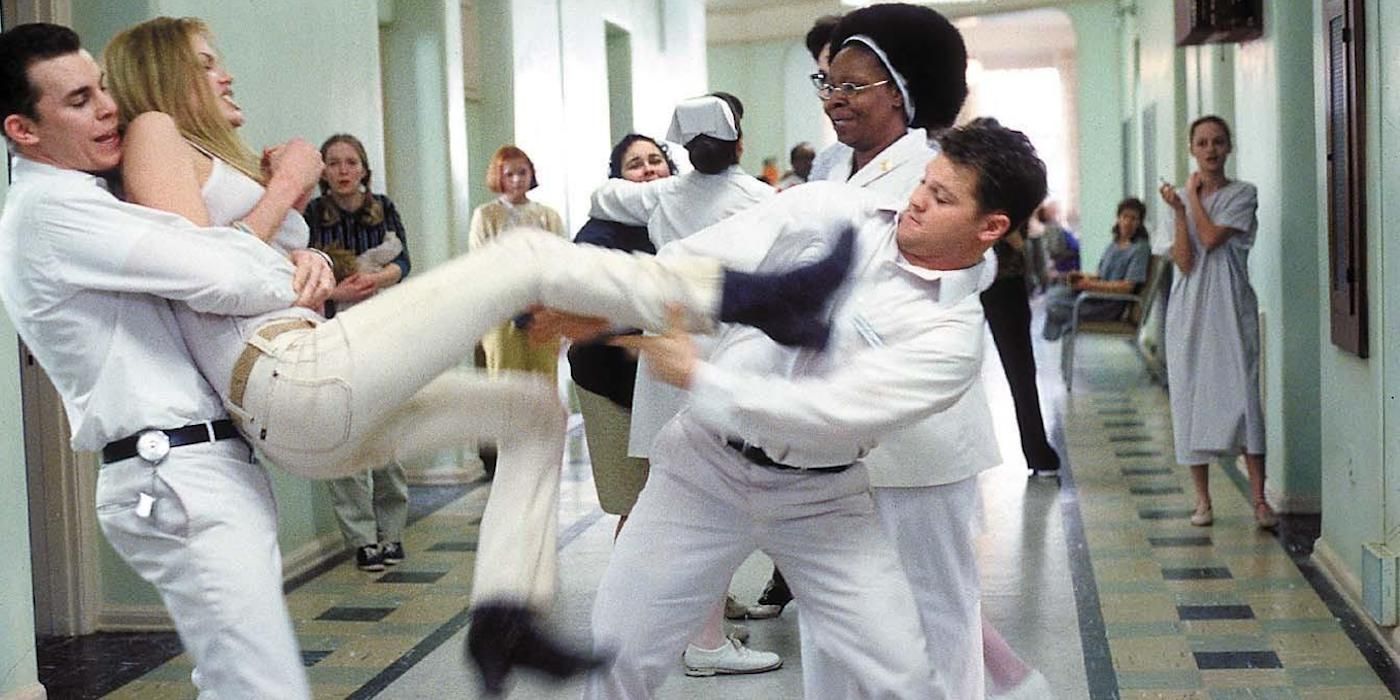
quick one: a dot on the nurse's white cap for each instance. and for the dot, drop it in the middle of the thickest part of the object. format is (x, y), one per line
(706, 115)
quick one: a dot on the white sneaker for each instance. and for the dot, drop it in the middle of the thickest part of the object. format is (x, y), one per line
(731, 659)
(1032, 687)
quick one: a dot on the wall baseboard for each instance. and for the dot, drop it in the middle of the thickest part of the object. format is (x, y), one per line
(1285, 503)
(1349, 588)
(115, 617)
(311, 555)
(33, 691)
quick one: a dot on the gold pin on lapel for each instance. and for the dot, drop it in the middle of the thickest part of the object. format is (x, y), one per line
(885, 166)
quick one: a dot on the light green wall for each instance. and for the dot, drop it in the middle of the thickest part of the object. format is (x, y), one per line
(1274, 76)
(18, 669)
(780, 107)
(1098, 69)
(491, 116)
(426, 162)
(558, 59)
(754, 72)
(1360, 450)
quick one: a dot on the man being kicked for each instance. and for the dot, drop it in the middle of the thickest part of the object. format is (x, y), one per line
(768, 453)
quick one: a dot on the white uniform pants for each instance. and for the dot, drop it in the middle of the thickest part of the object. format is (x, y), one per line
(373, 385)
(209, 546)
(933, 528)
(703, 511)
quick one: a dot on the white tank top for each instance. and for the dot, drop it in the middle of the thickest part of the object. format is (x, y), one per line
(215, 341)
(229, 195)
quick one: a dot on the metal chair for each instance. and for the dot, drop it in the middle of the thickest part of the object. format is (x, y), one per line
(1127, 325)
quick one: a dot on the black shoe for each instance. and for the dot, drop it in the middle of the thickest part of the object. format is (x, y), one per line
(392, 553)
(487, 452)
(1047, 465)
(505, 635)
(788, 306)
(369, 558)
(776, 595)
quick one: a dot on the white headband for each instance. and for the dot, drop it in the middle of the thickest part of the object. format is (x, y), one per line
(706, 115)
(899, 81)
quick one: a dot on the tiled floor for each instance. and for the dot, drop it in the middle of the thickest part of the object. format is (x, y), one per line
(1096, 578)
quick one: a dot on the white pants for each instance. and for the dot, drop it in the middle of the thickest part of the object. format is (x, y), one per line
(376, 384)
(703, 511)
(933, 528)
(209, 546)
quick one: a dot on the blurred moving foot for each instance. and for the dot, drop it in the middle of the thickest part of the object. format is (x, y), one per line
(503, 636)
(790, 307)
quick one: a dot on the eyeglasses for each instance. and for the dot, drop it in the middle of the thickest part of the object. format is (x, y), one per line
(825, 90)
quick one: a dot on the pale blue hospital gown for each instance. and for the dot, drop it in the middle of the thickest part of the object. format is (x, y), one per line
(1212, 343)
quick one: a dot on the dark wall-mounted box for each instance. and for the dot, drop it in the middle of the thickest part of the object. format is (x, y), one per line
(1218, 21)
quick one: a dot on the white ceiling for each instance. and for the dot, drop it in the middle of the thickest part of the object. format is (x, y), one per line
(732, 21)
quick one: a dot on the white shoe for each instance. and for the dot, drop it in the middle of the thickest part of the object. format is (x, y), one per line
(731, 659)
(1032, 687)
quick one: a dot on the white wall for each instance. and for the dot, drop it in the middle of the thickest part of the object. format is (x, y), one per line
(561, 112)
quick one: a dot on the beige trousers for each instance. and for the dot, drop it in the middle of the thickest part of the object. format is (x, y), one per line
(379, 382)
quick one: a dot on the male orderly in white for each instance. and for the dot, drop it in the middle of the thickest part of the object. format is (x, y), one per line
(772, 460)
(86, 279)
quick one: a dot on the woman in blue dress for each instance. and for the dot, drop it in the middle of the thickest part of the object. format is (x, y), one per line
(1212, 343)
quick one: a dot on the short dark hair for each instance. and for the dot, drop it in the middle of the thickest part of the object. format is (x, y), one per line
(21, 47)
(710, 155)
(1010, 176)
(1210, 119)
(801, 148)
(618, 151)
(820, 34)
(924, 47)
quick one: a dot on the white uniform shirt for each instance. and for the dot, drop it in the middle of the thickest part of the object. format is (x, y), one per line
(906, 341)
(674, 207)
(216, 340)
(896, 171)
(671, 209)
(831, 158)
(957, 442)
(86, 279)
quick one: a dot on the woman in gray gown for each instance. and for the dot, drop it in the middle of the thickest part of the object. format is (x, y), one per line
(1212, 342)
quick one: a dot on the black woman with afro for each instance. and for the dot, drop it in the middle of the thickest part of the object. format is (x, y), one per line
(898, 75)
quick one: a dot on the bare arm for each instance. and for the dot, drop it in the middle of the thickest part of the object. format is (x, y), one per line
(158, 168)
(1094, 284)
(295, 167)
(1212, 235)
(1182, 254)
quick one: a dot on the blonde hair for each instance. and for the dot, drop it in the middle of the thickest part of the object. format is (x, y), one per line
(152, 67)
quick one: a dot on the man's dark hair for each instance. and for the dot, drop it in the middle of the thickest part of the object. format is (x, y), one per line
(820, 34)
(710, 155)
(22, 47)
(924, 47)
(1010, 176)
